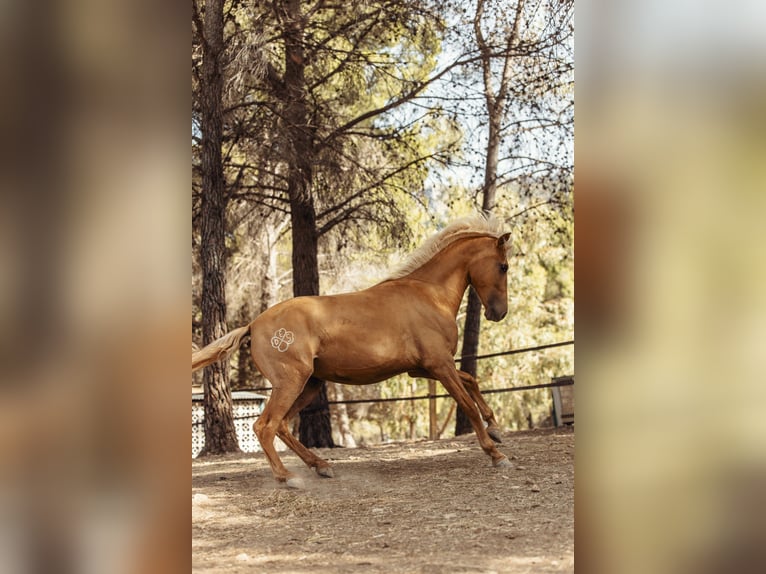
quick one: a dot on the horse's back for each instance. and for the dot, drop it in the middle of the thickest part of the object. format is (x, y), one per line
(380, 304)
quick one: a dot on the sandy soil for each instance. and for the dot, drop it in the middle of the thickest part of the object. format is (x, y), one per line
(421, 507)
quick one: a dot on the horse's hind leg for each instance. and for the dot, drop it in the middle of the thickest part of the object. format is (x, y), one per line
(470, 384)
(283, 396)
(322, 467)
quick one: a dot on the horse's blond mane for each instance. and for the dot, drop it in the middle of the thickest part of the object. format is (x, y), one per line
(480, 223)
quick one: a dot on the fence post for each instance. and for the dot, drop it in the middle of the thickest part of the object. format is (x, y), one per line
(431, 409)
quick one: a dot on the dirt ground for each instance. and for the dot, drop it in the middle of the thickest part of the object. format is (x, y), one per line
(421, 507)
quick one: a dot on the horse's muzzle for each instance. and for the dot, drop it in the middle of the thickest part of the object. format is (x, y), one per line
(493, 315)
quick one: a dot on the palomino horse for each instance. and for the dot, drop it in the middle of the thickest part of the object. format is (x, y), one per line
(406, 324)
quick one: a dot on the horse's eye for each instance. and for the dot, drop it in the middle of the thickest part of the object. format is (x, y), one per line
(503, 267)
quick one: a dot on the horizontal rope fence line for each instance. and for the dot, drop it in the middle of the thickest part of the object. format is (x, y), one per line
(445, 395)
(516, 351)
(564, 383)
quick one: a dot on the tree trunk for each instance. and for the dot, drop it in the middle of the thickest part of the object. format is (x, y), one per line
(470, 347)
(245, 372)
(270, 285)
(315, 428)
(220, 434)
(495, 108)
(473, 311)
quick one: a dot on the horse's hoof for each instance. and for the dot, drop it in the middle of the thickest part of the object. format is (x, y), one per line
(494, 434)
(325, 471)
(295, 482)
(503, 463)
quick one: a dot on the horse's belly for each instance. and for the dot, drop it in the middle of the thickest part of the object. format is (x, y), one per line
(353, 352)
(357, 375)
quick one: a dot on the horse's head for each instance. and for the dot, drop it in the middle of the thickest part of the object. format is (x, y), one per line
(488, 273)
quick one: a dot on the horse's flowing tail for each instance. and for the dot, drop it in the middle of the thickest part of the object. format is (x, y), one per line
(220, 348)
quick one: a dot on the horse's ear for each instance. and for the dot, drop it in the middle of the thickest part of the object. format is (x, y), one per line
(502, 239)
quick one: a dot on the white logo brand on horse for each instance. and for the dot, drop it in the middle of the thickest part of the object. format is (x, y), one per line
(282, 339)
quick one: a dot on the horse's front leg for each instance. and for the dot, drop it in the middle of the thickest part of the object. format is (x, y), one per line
(472, 386)
(469, 382)
(448, 375)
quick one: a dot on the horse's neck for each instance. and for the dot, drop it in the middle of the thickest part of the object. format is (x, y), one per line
(447, 271)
